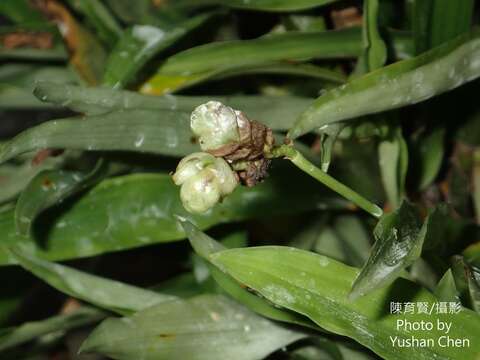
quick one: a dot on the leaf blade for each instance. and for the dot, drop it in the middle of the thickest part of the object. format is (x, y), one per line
(400, 84)
(207, 327)
(276, 273)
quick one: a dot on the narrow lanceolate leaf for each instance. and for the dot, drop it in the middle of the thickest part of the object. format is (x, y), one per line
(393, 163)
(205, 61)
(17, 81)
(163, 132)
(99, 17)
(318, 287)
(205, 246)
(20, 11)
(467, 282)
(277, 112)
(472, 254)
(399, 240)
(476, 183)
(266, 49)
(163, 83)
(346, 240)
(138, 210)
(207, 327)
(48, 188)
(403, 83)
(30, 331)
(274, 5)
(105, 293)
(375, 53)
(430, 152)
(435, 22)
(446, 290)
(15, 177)
(138, 45)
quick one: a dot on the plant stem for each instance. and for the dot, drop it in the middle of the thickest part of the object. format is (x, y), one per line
(297, 158)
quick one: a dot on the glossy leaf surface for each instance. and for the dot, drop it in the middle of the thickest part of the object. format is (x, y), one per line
(278, 112)
(205, 246)
(403, 83)
(399, 240)
(207, 327)
(48, 188)
(318, 287)
(138, 45)
(29, 331)
(138, 210)
(105, 293)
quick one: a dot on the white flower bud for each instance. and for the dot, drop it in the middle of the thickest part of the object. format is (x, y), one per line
(201, 192)
(191, 165)
(215, 124)
(205, 180)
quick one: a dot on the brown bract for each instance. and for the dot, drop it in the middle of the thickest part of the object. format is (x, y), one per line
(255, 139)
(77, 39)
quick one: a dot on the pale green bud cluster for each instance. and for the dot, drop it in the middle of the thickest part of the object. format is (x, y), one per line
(204, 180)
(216, 125)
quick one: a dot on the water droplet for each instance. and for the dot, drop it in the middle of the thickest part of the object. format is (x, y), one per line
(139, 141)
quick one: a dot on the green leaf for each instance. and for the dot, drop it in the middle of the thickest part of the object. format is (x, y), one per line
(286, 46)
(131, 14)
(431, 151)
(17, 81)
(403, 83)
(138, 210)
(207, 327)
(105, 293)
(326, 349)
(375, 50)
(204, 61)
(182, 286)
(98, 15)
(327, 141)
(138, 45)
(165, 132)
(472, 254)
(318, 287)
(438, 21)
(206, 246)
(346, 240)
(467, 281)
(30, 331)
(162, 131)
(15, 177)
(161, 84)
(48, 188)
(20, 11)
(399, 239)
(393, 163)
(277, 112)
(446, 290)
(476, 183)
(275, 5)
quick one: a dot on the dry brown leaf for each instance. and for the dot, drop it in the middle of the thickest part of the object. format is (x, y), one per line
(38, 40)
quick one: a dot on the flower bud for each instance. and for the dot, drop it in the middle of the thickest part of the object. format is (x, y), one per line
(191, 165)
(215, 124)
(205, 180)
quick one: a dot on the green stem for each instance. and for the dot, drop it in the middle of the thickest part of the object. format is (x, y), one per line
(297, 158)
